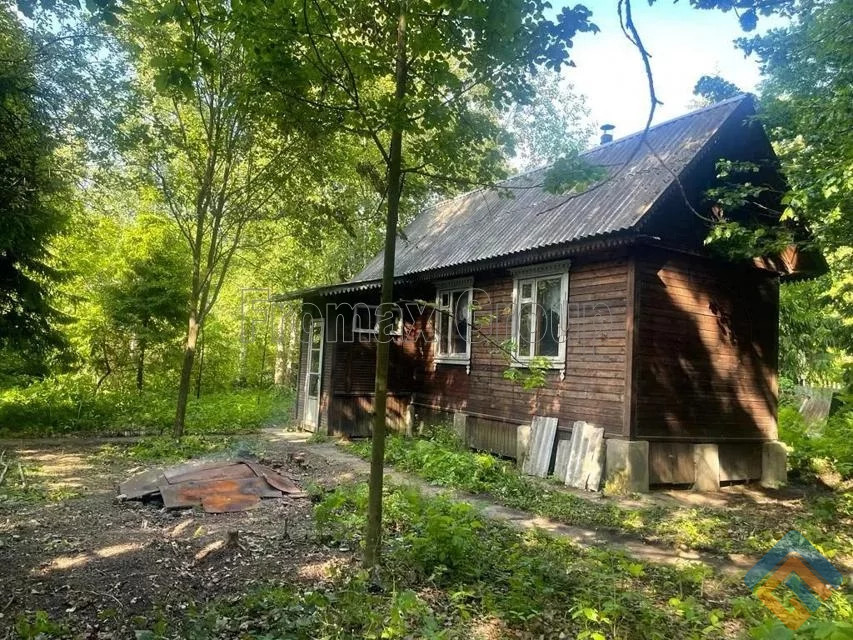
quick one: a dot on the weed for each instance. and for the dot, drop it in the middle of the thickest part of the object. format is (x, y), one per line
(442, 461)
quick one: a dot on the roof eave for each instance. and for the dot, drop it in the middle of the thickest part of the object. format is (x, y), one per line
(612, 240)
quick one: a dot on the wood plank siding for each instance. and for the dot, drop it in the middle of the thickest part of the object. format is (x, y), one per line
(661, 346)
(706, 350)
(592, 387)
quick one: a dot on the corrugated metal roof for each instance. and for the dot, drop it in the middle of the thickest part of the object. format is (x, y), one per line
(485, 224)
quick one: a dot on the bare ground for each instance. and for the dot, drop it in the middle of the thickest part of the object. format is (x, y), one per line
(100, 563)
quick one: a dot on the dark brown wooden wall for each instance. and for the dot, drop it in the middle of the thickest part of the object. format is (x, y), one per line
(705, 350)
(593, 388)
(594, 383)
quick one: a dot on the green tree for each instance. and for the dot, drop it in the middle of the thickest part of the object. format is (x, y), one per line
(146, 299)
(421, 81)
(715, 89)
(201, 136)
(553, 124)
(31, 196)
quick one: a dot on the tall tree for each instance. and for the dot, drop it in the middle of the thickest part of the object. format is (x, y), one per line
(203, 139)
(420, 80)
(146, 295)
(31, 191)
(555, 123)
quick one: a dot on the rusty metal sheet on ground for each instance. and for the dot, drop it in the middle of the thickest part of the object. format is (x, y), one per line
(278, 481)
(232, 470)
(229, 502)
(189, 494)
(142, 484)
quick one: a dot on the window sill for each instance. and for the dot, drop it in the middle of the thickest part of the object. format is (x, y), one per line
(449, 360)
(556, 364)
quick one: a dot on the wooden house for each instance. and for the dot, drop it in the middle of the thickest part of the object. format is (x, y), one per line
(610, 293)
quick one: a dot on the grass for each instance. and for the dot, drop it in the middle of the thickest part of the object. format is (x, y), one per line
(56, 407)
(35, 487)
(447, 573)
(165, 449)
(825, 520)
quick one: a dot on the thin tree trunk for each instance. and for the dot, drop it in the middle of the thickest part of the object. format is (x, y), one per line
(280, 350)
(291, 354)
(198, 378)
(186, 374)
(140, 365)
(373, 538)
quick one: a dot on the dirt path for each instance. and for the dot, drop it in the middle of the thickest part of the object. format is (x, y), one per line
(97, 564)
(733, 563)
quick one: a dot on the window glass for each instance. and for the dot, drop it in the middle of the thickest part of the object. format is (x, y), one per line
(548, 317)
(540, 314)
(453, 323)
(525, 317)
(459, 335)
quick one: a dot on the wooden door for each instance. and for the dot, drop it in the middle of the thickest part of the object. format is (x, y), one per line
(314, 375)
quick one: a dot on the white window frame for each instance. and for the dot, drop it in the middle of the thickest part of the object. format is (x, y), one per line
(531, 275)
(366, 333)
(451, 287)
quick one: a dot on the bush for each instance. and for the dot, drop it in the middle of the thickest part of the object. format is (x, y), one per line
(66, 404)
(821, 449)
(737, 529)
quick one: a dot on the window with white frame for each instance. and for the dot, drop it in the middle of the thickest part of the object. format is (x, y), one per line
(365, 320)
(539, 319)
(452, 321)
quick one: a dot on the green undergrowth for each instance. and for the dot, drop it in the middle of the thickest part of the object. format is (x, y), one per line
(168, 449)
(821, 451)
(447, 573)
(28, 483)
(743, 527)
(61, 406)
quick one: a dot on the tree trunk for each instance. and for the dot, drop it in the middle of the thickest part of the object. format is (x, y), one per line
(280, 350)
(186, 374)
(198, 378)
(373, 538)
(140, 365)
(292, 352)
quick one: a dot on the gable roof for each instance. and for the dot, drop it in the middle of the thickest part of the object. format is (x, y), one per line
(486, 223)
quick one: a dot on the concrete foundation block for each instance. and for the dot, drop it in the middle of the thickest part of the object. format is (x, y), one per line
(774, 464)
(627, 466)
(522, 444)
(460, 427)
(410, 421)
(706, 463)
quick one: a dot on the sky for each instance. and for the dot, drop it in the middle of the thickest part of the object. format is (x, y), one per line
(685, 43)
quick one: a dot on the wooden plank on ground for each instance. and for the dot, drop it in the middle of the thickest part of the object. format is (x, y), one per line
(542, 433)
(230, 503)
(280, 482)
(142, 484)
(209, 472)
(192, 493)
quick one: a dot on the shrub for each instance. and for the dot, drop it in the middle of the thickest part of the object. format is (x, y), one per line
(66, 404)
(821, 449)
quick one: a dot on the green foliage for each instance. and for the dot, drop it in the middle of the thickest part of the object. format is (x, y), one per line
(31, 191)
(66, 404)
(821, 449)
(734, 530)
(451, 574)
(715, 89)
(39, 626)
(571, 173)
(555, 124)
(168, 449)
